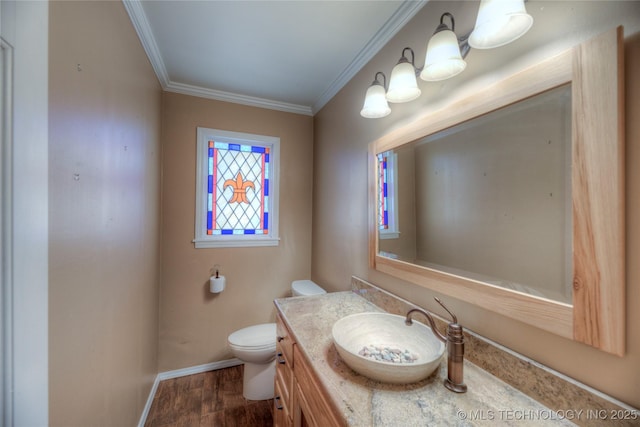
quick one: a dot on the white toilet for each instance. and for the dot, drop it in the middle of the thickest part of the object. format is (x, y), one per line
(256, 347)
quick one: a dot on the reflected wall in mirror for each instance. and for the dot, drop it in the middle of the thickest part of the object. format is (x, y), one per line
(524, 221)
(488, 199)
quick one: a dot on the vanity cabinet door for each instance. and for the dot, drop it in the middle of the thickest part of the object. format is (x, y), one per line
(314, 408)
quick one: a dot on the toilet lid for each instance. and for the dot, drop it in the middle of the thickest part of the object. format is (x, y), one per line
(254, 336)
(307, 287)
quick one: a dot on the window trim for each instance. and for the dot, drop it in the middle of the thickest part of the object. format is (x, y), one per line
(203, 240)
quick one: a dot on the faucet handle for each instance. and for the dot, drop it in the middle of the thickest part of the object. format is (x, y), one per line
(454, 330)
(453, 316)
(454, 334)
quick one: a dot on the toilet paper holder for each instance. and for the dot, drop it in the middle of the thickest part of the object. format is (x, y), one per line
(217, 283)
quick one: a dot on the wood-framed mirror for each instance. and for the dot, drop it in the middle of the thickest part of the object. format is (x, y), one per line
(581, 197)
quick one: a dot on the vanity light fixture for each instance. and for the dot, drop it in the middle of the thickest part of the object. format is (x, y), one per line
(499, 22)
(403, 86)
(443, 59)
(375, 102)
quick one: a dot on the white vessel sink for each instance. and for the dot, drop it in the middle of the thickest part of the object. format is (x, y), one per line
(416, 349)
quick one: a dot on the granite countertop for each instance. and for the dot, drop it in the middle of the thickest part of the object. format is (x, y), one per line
(364, 402)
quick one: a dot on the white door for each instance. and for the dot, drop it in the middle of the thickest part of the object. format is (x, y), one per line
(24, 216)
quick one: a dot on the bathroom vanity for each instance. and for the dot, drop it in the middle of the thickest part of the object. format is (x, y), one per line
(315, 387)
(299, 398)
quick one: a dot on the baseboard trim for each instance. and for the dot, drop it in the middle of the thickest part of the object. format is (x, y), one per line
(199, 369)
(147, 406)
(181, 373)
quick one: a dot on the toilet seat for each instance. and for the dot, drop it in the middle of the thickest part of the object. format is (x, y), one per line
(254, 338)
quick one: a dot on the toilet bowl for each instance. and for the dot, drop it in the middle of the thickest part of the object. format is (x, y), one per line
(256, 347)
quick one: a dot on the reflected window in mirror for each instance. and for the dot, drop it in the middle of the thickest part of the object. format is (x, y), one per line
(387, 197)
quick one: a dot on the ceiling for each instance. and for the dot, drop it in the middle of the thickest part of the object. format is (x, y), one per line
(285, 55)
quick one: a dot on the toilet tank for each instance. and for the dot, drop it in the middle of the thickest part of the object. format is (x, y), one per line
(305, 288)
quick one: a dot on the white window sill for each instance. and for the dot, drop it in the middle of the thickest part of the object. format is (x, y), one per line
(236, 242)
(389, 235)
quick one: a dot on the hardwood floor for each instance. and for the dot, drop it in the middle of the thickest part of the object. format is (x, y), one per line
(208, 399)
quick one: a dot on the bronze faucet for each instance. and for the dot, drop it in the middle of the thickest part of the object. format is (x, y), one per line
(455, 347)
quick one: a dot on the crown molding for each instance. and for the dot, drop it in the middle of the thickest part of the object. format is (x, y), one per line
(236, 98)
(139, 20)
(141, 25)
(394, 24)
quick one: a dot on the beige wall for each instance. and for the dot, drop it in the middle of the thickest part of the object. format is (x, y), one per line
(194, 324)
(341, 140)
(104, 159)
(494, 197)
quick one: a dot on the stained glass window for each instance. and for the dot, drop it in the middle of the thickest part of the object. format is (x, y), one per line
(383, 206)
(237, 189)
(236, 184)
(387, 200)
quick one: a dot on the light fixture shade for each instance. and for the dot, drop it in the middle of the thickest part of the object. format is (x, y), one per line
(499, 22)
(403, 86)
(443, 58)
(375, 102)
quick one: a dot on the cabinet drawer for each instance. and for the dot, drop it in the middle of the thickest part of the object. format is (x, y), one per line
(281, 408)
(284, 340)
(284, 375)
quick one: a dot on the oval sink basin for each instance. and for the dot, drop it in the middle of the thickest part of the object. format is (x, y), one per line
(382, 347)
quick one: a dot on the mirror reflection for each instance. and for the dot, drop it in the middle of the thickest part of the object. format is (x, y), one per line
(489, 199)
